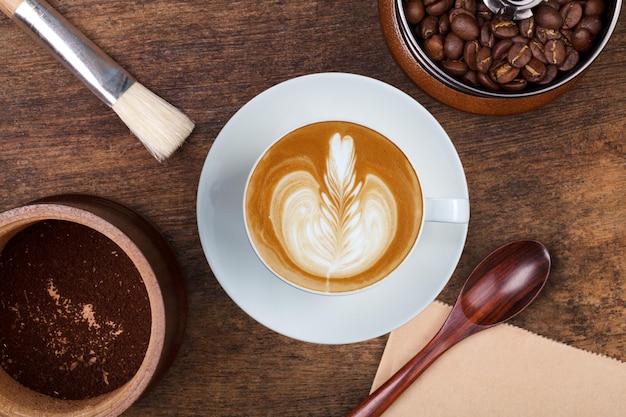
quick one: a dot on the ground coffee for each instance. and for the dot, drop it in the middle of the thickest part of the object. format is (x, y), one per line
(74, 312)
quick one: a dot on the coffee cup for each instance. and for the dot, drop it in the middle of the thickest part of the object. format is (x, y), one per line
(334, 207)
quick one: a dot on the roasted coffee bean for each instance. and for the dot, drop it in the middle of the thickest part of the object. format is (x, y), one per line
(469, 54)
(483, 59)
(501, 49)
(454, 67)
(414, 11)
(433, 47)
(547, 16)
(443, 24)
(571, 59)
(571, 14)
(471, 77)
(486, 37)
(427, 27)
(550, 75)
(555, 52)
(439, 7)
(465, 27)
(527, 27)
(517, 85)
(469, 5)
(485, 80)
(519, 54)
(503, 73)
(538, 50)
(582, 40)
(544, 35)
(534, 71)
(483, 14)
(503, 27)
(592, 23)
(453, 46)
(594, 7)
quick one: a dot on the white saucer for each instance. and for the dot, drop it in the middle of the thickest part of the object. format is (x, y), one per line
(329, 319)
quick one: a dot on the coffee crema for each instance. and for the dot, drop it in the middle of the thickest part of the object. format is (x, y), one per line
(333, 207)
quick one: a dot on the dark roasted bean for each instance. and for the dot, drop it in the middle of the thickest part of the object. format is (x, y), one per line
(594, 7)
(555, 52)
(443, 24)
(550, 75)
(517, 85)
(453, 46)
(534, 71)
(582, 40)
(501, 49)
(433, 47)
(469, 54)
(486, 81)
(527, 27)
(538, 50)
(486, 37)
(414, 11)
(592, 23)
(571, 59)
(465, 27)
(503, 73)
(503, 27)
(571, 14)
(454, 67)
(471, 77)
(427, 27)
(483, 59)
(439, 7)
(519, 54)
(547, 16)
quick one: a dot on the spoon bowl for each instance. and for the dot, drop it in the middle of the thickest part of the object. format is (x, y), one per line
(499, 288)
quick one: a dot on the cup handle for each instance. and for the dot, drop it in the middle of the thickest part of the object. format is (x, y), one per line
(446, 210)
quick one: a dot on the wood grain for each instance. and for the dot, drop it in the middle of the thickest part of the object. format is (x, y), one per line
(556, 174)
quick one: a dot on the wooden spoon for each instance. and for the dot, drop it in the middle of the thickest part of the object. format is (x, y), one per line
(499, 288)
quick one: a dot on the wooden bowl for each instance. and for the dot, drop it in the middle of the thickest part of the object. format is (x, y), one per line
(159, 269)
(427, 75)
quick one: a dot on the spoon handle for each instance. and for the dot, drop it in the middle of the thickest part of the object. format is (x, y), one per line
(455, 329)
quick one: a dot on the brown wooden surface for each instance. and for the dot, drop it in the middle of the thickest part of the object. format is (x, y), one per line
(556, 174)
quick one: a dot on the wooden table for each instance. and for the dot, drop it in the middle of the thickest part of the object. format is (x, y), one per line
(556, 174)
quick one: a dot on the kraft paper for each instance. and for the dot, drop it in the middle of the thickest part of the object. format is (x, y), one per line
(504, 371)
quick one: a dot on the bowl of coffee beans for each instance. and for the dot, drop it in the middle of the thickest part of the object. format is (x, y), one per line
(497, 56)
(92, 307)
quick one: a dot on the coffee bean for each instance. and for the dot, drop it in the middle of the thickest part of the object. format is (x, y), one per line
(483, 59)
(534, 71)
(517, 85)
(527, 27)
(469, 5)
(469, 54)
(519, 54)
(465, 27)
(454, 67)
(439, 7)
(471, 77)
(547, 16)
(592, 23)
(443, 24)
(571, 14)
(428, 27)
(571, 59)
(504, 73)
(414, 11)
(555, 52)
(433, 47)
(453, 46)
(503, 27)
(538, 50)
(486, 37)
(550, 75)
(485, 80)
(594, 7)
(501, 49)
(582, 40)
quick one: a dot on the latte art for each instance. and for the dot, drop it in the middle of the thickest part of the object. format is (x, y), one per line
(333, 207)
(341, 231)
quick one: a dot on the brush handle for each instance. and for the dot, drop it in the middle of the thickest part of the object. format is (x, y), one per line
(104, 77)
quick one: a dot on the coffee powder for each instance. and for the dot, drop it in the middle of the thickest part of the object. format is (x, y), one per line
(74, 312)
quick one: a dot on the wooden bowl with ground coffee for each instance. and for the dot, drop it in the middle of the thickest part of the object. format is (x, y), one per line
(92, 307)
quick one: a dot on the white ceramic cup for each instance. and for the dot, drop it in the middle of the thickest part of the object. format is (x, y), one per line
(434, 209)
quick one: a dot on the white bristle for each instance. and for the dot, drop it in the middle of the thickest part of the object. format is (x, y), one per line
(161, 127)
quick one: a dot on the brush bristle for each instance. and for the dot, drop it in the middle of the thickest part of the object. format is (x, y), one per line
(161, 127)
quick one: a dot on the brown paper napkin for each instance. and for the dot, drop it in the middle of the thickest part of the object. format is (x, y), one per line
(504, 371)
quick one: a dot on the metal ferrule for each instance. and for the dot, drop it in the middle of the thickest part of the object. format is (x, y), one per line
(97, 70)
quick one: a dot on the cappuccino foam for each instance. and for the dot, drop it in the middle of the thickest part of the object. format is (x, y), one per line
(333, 207)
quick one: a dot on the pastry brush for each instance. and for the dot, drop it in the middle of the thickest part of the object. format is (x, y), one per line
(161, 127)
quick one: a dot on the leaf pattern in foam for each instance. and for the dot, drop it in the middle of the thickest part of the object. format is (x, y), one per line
(341, 231)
